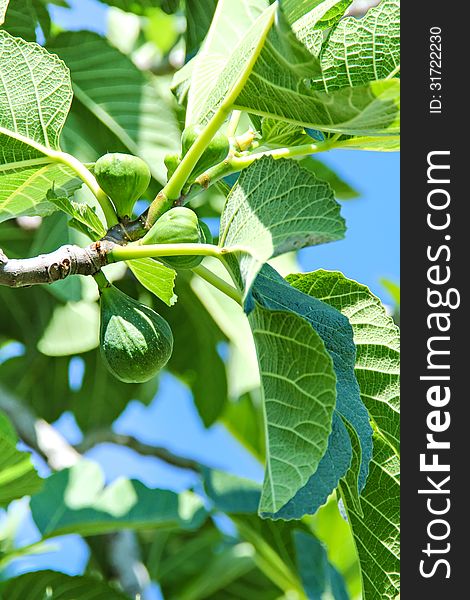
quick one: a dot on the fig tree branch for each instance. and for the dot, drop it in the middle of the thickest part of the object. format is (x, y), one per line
(74, 260)
(37, 433)
(48, 268)
(110, 437)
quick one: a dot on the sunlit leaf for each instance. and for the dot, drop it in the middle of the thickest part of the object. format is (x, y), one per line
(76, 500)
(18, 477)
(52, 584)
(35, 96)
(276, 207)
(156, 277)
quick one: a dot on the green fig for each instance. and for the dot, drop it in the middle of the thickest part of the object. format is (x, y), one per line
(179, 225)
(171, 163)
(124, 178)
(135, 341)
(206, 233)
(215, 152)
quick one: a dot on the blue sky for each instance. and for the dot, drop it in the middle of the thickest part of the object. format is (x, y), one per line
(371, 248)
(369, 252)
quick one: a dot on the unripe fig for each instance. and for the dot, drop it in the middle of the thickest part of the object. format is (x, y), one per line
(215, 152)
(124, 178)
(135, 341)
(179, 225)
(171, 163)
(206, 233)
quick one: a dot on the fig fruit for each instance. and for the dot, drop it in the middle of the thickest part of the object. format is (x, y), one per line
(171, 163)
(179, 225)
(215, 152)
(206, 233)
(124, 178)
(135, 341)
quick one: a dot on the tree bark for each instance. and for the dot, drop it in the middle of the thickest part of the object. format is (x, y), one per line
(47, 268)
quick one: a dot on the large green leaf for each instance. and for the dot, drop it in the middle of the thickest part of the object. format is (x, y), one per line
(131, 105)
(273, 292)
(277, 207)
(35, 96)
(18, 477)
(358, 51)
(276, 86)
(332, 467)
(371, 109)
(377, 341)
(299, 390)
(265, 73)
(233, 64)
(51, 584)
(377, 370)
(76, 500)
(231, 21)
(377, 530)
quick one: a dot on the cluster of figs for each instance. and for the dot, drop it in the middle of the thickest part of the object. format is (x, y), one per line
(135, 341)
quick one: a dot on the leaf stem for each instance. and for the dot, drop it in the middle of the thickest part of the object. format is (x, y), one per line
(101, 280)
(132, 251)
(89, 180)
(219, 283)
(233, 123)
(234, 164)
